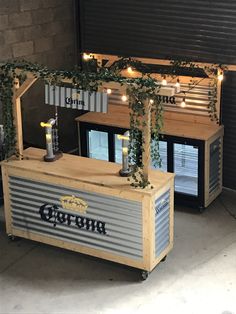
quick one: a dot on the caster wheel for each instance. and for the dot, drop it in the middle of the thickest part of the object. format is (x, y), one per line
(164, 258)
(12, 238)
(201, 210)
(144, 275)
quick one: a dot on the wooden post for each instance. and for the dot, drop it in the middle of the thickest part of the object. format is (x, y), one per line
(218, 103)
(17, 120)
(18, 92)
(146, 157)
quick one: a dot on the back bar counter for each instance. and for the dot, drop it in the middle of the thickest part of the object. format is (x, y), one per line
(191, 150)
(83, 205)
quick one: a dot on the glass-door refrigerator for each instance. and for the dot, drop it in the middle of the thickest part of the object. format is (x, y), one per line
(182, 156)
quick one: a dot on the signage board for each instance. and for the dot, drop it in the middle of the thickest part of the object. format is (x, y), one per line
(76, 99)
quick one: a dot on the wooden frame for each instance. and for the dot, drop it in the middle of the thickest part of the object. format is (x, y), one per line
(23, 166)
(62, 174)
(18, 92)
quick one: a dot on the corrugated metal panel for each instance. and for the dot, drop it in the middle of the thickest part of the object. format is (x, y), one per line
(185, 29)
(215, 158)
(229, 121)
(197, 100)
(76, 99)
(162, 222)
(122, 218)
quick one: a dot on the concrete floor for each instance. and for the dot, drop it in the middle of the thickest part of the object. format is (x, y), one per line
(198, 276)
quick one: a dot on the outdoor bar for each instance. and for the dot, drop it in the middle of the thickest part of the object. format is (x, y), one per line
(84, 204)
(89, 205)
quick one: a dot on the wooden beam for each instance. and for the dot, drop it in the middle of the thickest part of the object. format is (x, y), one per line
(112, 58)
(218, 97)
(146, 157)
(18, 124)
(24, 87)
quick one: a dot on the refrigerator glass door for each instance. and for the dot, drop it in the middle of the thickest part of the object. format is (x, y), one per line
(163, 155)
(98, 145)
(186, 169)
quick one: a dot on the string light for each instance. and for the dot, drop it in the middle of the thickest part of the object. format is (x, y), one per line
(183, 104)
(130, 70)
(109, 91)
(177, 84)
(221, 76)
(164, 81)
(124, 98)
(151, 101)
(87, 56)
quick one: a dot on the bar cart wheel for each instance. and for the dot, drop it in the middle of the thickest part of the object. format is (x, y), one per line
(164, 258)
(201, 209)
(12, 238)
(144, 275)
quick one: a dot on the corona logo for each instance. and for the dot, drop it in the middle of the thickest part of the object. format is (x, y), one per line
(74, 203)
(76, 96)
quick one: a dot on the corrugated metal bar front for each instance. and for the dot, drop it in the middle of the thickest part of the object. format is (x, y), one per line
(162, 222)
(201, 30)
(229, 122)
(110, 223)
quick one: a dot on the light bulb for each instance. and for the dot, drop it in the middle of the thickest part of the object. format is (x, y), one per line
(124, 98)
(125, 151)
(109, 91)
(164, 81)
(220, 76)
(130, 70)
(48, 138)
(87, 56)
(177, 84)
(183, 104)
(122, 137)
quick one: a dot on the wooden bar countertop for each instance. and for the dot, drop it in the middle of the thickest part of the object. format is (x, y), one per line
(101, 174)
(118, 116)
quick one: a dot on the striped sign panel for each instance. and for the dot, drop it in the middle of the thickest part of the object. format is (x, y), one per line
(107, 223)
(76, 99)
(197, 100)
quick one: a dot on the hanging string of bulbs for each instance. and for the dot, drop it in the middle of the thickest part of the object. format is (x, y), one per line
(164, 82)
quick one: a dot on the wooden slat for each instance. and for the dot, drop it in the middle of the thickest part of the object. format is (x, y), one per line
(17, 121)
(218, 103)
(146, 157)
(7, 203)
(148, 226)
(25, 86)
(113, 58)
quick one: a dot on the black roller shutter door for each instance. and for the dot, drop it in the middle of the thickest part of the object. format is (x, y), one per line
(189, 29)
(197, 30)
(229, 121)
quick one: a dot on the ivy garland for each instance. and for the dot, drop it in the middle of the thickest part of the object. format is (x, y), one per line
(91, 78)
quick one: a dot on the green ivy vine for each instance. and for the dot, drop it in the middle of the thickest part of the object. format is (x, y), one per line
(91, 77)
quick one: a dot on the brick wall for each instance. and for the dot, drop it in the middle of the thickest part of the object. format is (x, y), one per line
(42, 31)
